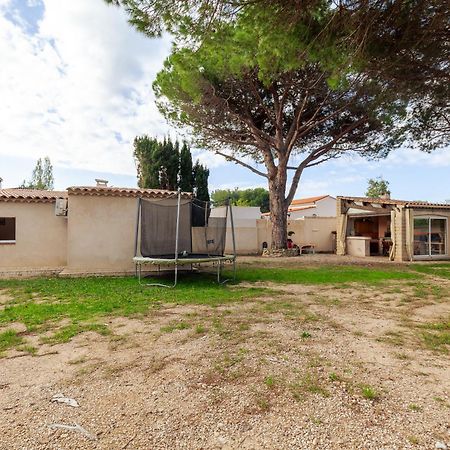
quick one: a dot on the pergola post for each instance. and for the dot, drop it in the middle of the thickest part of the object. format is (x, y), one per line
(341, 224)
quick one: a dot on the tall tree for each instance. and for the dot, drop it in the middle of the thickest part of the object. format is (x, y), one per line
(201, 175)
(357, 76)
(146, 154)
(157, 163)
(377, 187)
(242, 197)
(42, 177)
(186, 176)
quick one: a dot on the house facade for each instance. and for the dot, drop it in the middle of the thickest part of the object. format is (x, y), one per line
(84, 230)
(402, 230)
(320, 206)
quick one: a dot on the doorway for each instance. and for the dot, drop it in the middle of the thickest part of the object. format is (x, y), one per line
(430, 236)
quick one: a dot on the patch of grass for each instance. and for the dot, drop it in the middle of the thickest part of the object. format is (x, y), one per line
(76, 361)
(308, 383)
(269, 381)
(413, 440)
(262, 403)
(31, 349)
(81, 299)
(325, 275)
(393, 338)
(175, 326)
(316, 420)
(66, 333)
(334, 377)
(437, 336)
(9, 339)
(369, 392)
(200, 329)
(42, 303)
(414, 407)
(402, 356)
(441, 270)
(305, 335)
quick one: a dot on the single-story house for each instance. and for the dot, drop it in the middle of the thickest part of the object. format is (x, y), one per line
(319, 206)
(87, 229)
(403, 230)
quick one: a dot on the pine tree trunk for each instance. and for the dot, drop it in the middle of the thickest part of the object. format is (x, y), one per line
(278, 212)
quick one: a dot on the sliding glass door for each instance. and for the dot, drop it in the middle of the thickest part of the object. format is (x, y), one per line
(430, 236)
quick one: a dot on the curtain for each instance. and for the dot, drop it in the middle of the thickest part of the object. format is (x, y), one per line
(409, 217)
(393, 236)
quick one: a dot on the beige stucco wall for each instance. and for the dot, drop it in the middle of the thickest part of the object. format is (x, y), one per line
(101, 234)
(358, 246)
(40, 237)
(308, 230)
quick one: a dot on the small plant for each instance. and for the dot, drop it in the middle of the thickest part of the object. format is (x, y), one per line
(269, 381)
(9, 339)
(305, 335)
(262, 403)
(173, 327)
(369, 393)
(28, 349)
(200, 329)
(413, 440)
(334, 377)
(414, 407)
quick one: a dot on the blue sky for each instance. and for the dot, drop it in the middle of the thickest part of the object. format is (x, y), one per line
(75, 85)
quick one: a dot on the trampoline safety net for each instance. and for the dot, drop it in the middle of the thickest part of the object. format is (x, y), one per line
(199, 232)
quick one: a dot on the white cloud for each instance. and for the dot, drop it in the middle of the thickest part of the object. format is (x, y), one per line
(79, 89)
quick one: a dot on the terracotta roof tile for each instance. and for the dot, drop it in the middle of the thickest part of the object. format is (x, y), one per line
(307, 201)
(30, 195)
(124, 192)
(301, 208)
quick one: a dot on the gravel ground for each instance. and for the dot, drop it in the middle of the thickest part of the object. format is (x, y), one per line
(278, 373)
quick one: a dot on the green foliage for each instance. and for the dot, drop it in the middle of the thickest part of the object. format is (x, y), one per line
(369, 392)
(201, 175)
(40, 304)
(157, 163)
(162, 165)
(324, 275)
(42, 177)
(9, 339)
(186, 175)
(242, 197)
(377, 187)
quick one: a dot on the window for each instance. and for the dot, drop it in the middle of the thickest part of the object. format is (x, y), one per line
(430, 236)
(7, 230)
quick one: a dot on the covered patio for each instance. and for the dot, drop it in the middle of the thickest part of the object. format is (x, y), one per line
(398, 229)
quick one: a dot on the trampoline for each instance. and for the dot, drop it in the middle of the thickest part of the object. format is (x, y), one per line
(185, 232)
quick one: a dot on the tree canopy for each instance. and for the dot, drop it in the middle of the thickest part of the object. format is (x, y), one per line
(162, 165)
(277, 86)
(377, 187)
(242, 197)
(42, 177)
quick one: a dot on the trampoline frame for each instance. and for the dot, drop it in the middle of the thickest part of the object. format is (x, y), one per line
(176, 261)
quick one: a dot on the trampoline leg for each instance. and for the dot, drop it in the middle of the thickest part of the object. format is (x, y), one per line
(176, 275)
(218, 272)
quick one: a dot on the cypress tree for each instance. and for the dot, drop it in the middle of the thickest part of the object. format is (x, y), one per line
(201, 175)
(186, 171)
